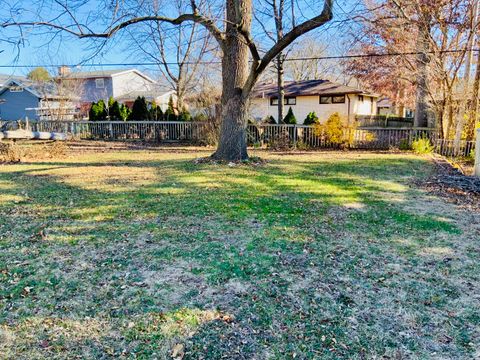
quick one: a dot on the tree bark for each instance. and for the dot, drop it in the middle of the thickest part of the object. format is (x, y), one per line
(463, 113)
(473, 111)
(450, 110)
(421, 102)
(232, 144)
(280, 88)
(278, 13)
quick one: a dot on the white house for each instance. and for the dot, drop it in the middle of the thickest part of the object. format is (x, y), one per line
(123, 85)
(103, 84)
(321, 96)
(386, 107)
(161, 98)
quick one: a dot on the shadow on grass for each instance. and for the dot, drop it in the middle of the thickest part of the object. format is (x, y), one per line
(276, 245)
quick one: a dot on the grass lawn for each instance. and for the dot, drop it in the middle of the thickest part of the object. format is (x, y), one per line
(145, 254)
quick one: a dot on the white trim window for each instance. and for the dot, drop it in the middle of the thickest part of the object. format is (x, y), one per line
(15, 88)
(325, 99)
(338, 99)
(332, 99)
(100, 83)
(288, 100)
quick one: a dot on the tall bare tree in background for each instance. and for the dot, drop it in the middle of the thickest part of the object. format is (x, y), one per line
(232, 31)
(277, 10)
(305, 62)
(438, 35)
(179, 50)
(473, 109)
(464, 116)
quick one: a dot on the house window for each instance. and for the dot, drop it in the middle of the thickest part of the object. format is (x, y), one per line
(339, 99)
(291, 100)
(325, 99)
(360, 98)
(16, 88)
(99, 83)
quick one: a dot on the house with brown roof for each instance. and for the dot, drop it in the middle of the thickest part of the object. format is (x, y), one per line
(321, 96)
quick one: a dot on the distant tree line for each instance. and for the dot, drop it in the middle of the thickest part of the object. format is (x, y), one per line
(140, 111)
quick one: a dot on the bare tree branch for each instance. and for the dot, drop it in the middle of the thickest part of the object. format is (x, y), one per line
(207, 23)
(325, 16)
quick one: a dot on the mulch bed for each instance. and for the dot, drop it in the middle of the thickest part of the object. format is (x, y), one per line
(451, 184)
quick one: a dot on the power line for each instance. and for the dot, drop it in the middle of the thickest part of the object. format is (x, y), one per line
(378, 55)
(335, 57)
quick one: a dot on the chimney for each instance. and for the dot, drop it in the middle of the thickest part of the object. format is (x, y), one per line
(64, 70)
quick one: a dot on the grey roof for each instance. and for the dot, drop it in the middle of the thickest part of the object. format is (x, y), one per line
(41, 90)
(307, 87)
(103, 73)
(93, 74)
(5, 78)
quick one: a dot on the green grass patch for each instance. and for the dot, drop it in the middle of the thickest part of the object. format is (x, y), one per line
(137, 254)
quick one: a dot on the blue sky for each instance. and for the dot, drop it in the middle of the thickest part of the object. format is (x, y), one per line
(40, 50)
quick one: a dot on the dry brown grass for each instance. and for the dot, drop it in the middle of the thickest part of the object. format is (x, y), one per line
(145, 254)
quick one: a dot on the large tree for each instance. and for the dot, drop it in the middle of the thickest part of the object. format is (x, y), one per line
(39, 74)
(242, 60)
(179, 50)
(437, 36)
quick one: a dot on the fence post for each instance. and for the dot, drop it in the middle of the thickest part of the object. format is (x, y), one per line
(477, 155)
(295, 136)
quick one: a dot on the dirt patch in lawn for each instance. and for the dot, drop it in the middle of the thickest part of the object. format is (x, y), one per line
(451, 185)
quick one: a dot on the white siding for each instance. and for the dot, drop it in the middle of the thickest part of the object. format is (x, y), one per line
(260, 108)
(125, 83)
(163, 100)
(366, 107)
(395, 111)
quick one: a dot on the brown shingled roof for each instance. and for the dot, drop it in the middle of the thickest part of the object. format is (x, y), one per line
(307, 87)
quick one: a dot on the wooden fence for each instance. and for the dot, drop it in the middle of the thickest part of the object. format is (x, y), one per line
(383, 121)
(447, 148)
(386, 138)
(257, 135)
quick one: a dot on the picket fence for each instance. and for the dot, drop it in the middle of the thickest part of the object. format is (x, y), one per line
(257, 135)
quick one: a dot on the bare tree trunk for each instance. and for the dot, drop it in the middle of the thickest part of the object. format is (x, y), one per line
(450, 110)
(463, 112)
(280, 87)
(473, 111)
(180, 89)
(235, 70)
(421, 102)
